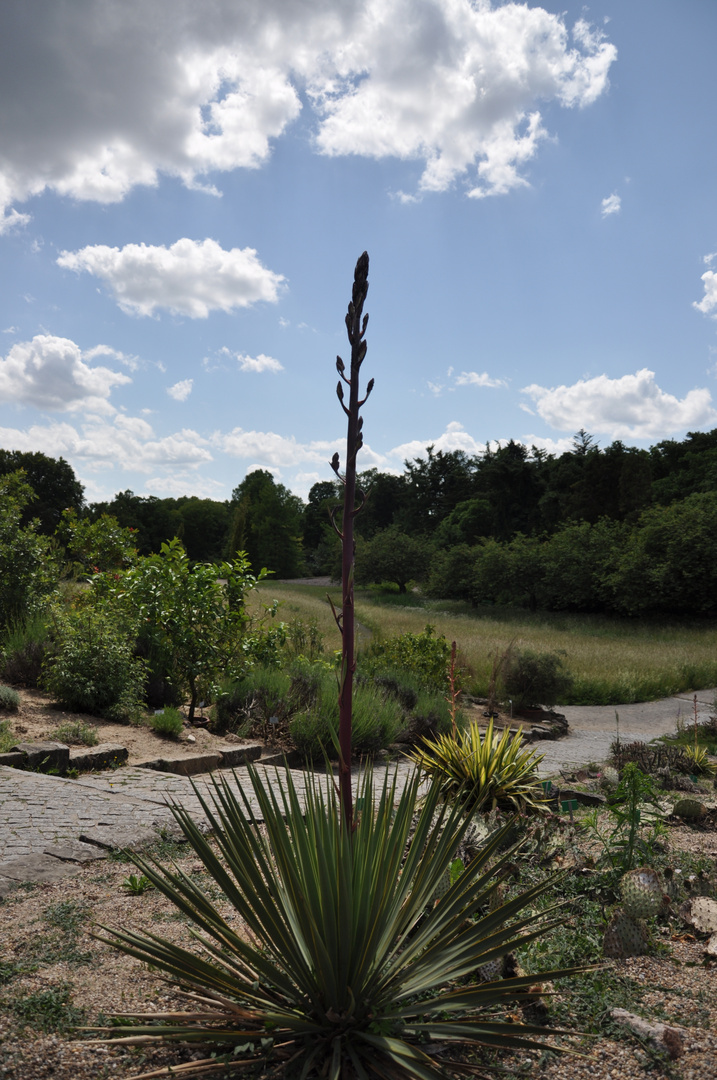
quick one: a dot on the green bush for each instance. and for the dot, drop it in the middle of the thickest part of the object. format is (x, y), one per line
(9, 699)
(532, 678)
(76, 732)
(93, 668)
(423, 655)
(26, 643)
(169, 724)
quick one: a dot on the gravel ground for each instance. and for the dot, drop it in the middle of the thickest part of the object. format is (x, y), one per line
(36, 931)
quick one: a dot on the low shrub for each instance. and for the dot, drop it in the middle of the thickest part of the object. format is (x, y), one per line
(76, 732)
(93, 668)
(533, 678)
(377, 719)
(24, 651)
(262, 693)
(169, 723)
(9, 699)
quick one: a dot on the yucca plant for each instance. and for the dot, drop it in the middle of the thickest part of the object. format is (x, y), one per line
(350, 969)
(484, 772)
(699, 760)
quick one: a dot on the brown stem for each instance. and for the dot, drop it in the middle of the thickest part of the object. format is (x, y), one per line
(356, 328)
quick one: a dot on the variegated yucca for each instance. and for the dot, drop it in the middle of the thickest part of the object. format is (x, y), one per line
(340, 964)
(483, 771)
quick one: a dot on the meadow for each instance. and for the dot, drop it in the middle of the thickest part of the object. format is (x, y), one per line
(612, 661)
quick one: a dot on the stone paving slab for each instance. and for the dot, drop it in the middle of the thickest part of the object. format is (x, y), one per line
(37, 810)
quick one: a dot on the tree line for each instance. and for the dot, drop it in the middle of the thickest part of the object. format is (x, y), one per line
(615, 529)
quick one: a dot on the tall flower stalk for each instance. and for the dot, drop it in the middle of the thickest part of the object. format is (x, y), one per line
(356, 323)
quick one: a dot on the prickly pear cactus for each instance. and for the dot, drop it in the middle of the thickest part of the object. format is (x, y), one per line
(642, 892)
(442, 887)
(625, 937)
(690, 809)
(491, 971)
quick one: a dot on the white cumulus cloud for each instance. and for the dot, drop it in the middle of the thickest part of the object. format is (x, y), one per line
(631, 407)
(256, 364)
(473, 378)
(708, 304)
(52, 373)
(192, 277)
(98, 97)
(611, 205)
(181, 390)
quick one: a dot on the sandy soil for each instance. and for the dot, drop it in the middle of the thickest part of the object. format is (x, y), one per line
(38, 719)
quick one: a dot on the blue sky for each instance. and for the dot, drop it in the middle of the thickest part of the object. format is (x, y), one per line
(185, 189)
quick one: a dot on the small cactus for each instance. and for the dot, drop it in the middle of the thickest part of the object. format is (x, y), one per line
(642, 892)
(609, 778)
(690, 809)
(625, 937)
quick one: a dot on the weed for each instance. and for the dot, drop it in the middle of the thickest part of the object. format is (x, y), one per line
(48, 1010)
(635, 827)
(7, 738)
(137, 884)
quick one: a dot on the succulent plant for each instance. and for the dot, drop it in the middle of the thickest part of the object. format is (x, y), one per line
(625, 937)
(690, 809)
(609, 778)
(642, 892)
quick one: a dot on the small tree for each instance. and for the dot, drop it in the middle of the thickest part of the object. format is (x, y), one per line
(192, 614)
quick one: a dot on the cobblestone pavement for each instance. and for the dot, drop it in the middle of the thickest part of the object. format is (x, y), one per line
(38, 811)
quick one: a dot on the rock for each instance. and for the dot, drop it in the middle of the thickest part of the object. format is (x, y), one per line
(184, 766)
(36, 868)
(107, 836)
(290, 759)
(44, 756)
(710, 947)
(663, 1037)
(104, 756)
(240, 755)
(15, 761)
(75, 851)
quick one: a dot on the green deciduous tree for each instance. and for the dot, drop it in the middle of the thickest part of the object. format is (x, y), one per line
(392, 555)
(267, 524)
(191, 614)
(29, 569)
(52, 480)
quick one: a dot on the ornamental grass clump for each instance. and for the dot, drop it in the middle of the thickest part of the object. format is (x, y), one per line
(483, 771)
(349, 968)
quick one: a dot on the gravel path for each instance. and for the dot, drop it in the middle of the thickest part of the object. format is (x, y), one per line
(593, 727)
